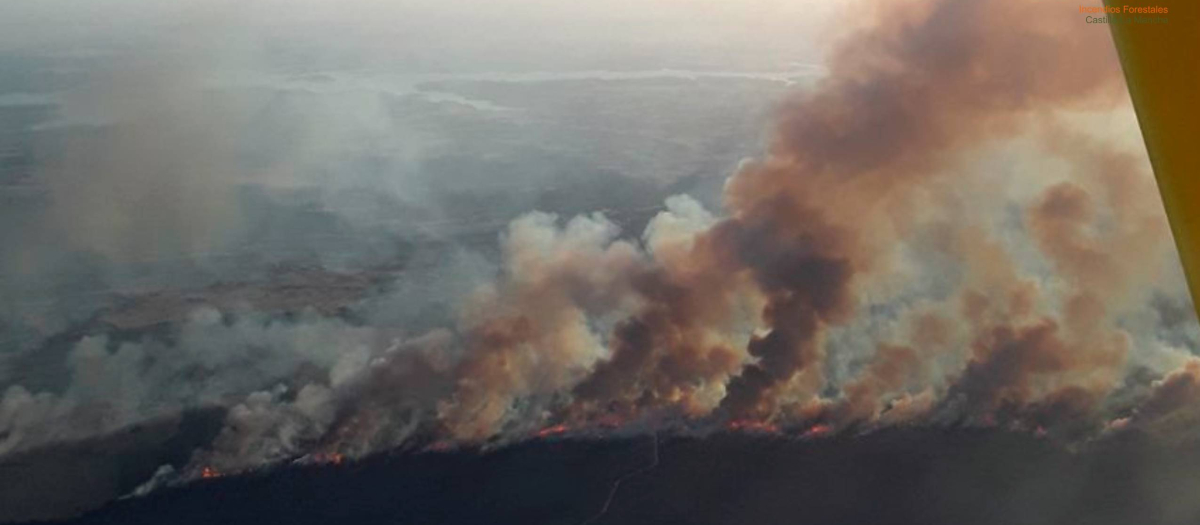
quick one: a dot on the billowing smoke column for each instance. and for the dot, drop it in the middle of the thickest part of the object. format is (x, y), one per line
(726, 318)
(728, 321)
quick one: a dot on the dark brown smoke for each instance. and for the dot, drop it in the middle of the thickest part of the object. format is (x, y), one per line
(910, 92)
(1176, 391)
(726, 319)
(904, 97)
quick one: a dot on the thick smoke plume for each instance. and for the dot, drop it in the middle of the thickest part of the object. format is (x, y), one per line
(748, 318)
(726, 318)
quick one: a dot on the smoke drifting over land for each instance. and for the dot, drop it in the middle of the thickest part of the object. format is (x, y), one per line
(724, 319)
(868, 270)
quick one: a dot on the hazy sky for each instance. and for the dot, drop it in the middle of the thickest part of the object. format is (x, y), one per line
(497, 34)
(947, 219)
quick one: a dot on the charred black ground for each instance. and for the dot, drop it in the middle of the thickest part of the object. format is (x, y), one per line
(899, 476)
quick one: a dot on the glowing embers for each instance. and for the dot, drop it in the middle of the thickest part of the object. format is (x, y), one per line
(753, 426)
(551, 431)
(328, 458)
(817, 431)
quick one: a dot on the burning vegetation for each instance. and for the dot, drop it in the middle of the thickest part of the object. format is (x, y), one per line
(724, 322)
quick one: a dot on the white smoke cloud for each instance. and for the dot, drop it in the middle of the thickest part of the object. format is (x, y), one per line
(510, 349)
